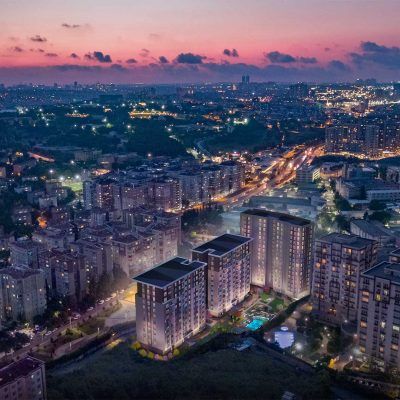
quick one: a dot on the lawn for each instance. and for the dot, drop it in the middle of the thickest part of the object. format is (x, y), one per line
(214, 374)
(277, 305)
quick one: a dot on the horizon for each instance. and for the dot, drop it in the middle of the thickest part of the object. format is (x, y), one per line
(154, 43)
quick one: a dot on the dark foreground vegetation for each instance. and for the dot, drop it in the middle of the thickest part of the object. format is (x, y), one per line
(213, 373)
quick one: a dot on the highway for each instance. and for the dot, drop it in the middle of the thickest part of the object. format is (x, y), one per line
(278, 174)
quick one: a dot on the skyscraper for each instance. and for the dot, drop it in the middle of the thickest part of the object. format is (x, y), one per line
(281, 251)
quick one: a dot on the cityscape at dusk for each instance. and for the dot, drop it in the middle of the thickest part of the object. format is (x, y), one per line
(200, 200)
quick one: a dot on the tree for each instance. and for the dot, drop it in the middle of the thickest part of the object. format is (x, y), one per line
(381, 216)
(377, 205)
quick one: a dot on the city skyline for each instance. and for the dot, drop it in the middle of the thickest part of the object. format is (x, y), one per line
(178, 43)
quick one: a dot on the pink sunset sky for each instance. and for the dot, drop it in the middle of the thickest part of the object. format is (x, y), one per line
(129, 41)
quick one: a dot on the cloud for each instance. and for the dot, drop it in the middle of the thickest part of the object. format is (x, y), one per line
(71, 26)
(37, 50)
(338, 65)
(189, 58)
(230, 53)
(99, 56)
(51, 55)
(163, 60)
(118, 67)
(277, 57)
(373, 53)
(144, 53)
(17, 49)
(308, 60)
(38, 38)
(131, 61)
(74, 55)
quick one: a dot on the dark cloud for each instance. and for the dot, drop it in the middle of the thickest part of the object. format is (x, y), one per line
(74, 55)
(189, 58)
(230, 53)
(277, 57)
(308, 60)
(327, 49)
(131, 61)
(51, 55)
(118, 67)
(38, 38)
(338, 65)
(99, 56)
(373, 53)
(17, 49)
(71, 26)
(144, 53)
(163, 60)
(37, 50)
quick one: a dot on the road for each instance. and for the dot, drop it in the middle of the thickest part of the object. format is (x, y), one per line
(276, 175)
(43, 339)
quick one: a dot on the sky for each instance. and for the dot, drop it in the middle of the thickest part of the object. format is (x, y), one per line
(182, 41)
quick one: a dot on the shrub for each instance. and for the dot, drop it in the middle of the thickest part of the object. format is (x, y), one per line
(143, 352)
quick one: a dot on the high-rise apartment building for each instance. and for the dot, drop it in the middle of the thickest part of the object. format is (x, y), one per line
(281, 251)
(171, 304)
(22, 293)
(228, 264)
(379, 314)
(339, 261)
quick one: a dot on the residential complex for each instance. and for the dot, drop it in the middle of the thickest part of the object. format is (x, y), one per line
(339, 261)
(379, 314)
(228, 271)
(281, 251)
(171, 303)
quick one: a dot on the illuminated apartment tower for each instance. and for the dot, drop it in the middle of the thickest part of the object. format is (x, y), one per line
(379, 314)
(228, 261)
(339, 261)
(171, 304)
(281, 251)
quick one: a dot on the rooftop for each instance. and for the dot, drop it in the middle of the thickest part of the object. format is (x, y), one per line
(19, 369)
(277, 215)
(353, 241)
(385, 270)
(168, 272)
(223, 244)
(19, 272)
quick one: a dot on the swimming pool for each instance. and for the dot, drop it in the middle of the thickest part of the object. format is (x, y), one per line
(284, 337)
(255, 324)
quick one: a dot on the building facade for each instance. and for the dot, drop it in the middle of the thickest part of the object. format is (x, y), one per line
(339, 261)
(171, 304)
(228, 276)
(281, 251)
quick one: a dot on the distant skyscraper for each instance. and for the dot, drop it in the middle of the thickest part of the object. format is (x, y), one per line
(339, 261)
(245, 79)
(171, 304)
(281, 251)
